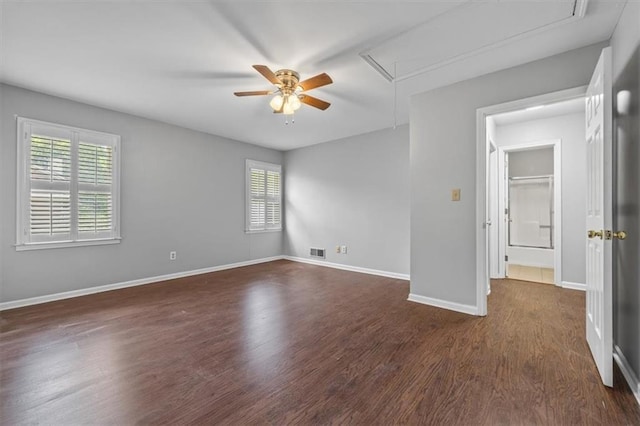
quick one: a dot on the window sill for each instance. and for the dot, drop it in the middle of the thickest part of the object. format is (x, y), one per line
(66, 244)
(262, 231)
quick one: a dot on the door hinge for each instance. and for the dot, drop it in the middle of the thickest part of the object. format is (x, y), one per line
(506, 211)
(506, 258)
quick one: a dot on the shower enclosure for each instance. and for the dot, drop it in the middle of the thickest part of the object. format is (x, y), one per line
(531, 212)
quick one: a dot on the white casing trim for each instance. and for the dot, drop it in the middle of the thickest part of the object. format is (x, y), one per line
(387, 274)
(133, 283)
(574, 286)
(627, 372)
(444, 304)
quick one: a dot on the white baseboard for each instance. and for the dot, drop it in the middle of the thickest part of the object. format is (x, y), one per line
(349, 268)
(627, 371)
(574, 286)
(142, 281)
(444, 304)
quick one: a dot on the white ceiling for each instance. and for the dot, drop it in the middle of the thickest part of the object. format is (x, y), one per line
(540, 112)
(180, 62)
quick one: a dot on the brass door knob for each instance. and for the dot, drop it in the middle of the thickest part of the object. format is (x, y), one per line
(610, 235)
(593, 234)
(621, 235)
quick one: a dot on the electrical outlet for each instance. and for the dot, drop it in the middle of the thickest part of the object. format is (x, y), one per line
(343, 249)
(173, 255)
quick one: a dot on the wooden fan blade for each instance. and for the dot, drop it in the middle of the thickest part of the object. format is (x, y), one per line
(254, 93)
(267, 73)
(317, 81)
(314, 102)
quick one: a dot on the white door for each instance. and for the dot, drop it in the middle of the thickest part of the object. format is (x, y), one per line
(599, 206)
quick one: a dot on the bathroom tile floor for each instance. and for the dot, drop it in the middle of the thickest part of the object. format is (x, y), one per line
(530, 273)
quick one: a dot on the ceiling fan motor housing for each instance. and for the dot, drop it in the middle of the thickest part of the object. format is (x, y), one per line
(289, 79)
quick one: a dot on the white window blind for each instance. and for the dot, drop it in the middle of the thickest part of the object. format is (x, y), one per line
(67, 186)
(264, 196)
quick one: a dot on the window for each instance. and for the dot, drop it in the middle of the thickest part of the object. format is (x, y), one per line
(264, 197)
(67, 186)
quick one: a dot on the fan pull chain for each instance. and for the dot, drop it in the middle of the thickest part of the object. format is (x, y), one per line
(286, 119)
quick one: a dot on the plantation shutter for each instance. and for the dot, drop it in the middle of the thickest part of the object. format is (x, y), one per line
(68, 187)
(95, 178)
(257, 205)
(264, 196)
(50, 186)
(273, 200)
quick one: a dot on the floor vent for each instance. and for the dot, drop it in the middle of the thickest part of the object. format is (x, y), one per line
(317, 252)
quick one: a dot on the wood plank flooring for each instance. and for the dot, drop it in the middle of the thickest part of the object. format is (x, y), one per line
(290, 343)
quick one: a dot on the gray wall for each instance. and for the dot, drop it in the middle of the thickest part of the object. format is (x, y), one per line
(443, 156)
(570, 129)
(353, 192)
(626, 69)
(181, 190)
(532, 162)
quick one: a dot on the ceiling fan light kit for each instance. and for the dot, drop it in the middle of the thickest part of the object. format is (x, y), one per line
(289, 95)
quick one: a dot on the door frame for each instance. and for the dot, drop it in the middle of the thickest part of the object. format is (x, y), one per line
(482, 178)
(556, 144)
(493, 213)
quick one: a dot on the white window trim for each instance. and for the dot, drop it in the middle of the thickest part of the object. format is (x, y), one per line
(23, 184)
(253, 164)
(65, 244)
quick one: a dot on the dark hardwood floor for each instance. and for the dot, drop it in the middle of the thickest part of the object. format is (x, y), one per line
(290, 343)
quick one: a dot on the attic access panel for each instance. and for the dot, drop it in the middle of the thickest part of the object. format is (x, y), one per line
(465, 30)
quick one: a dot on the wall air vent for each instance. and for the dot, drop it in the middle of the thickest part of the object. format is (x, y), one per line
(317, 252)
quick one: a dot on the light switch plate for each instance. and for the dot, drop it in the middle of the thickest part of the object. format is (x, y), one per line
(455, 194)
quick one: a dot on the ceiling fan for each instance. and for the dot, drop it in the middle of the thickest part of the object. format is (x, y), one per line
(290, 91)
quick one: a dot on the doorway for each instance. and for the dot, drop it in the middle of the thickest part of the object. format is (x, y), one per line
(493, 237)
(528, 207)
(598, 185)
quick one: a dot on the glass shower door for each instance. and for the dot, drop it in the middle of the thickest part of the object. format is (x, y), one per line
(531, 211)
